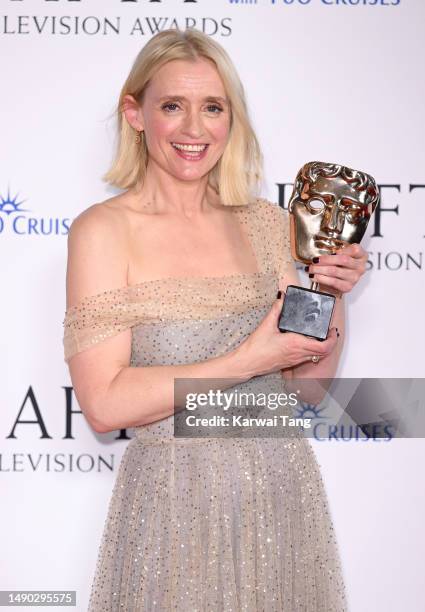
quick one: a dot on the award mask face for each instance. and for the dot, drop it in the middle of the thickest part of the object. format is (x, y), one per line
(330, 207)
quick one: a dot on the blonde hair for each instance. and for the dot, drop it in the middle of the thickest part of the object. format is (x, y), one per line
(237, 174)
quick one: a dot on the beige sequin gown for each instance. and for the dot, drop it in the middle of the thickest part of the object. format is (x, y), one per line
(219, 524)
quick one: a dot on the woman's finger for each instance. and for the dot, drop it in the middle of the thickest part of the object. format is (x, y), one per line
(344, 260)
(337, 283)
(316, 347)
(347, 274)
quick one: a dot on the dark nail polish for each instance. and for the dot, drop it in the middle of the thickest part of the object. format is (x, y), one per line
(336, 328)
(311, 275)
(315, 260)
(306, 269)
(279, 295)
(337, 334)
(333, 253)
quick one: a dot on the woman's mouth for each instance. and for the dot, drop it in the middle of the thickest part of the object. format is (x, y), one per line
(192, 152)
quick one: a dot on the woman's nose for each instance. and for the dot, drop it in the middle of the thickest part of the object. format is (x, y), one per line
(193, 125)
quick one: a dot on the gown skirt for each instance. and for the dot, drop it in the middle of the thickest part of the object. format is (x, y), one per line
(223, 524)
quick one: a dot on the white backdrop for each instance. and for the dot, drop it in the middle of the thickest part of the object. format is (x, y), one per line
(335, 80)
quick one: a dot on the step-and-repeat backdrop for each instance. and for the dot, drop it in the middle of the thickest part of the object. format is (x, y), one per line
(329, 80)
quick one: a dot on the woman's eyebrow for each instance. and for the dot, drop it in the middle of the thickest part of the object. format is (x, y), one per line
(216, 99)
(184, 99)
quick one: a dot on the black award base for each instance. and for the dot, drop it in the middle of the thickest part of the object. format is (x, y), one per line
(306, 312)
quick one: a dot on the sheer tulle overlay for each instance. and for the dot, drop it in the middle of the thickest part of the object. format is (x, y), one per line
(219, 524)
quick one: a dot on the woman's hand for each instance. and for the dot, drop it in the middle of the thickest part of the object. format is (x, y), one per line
(267, 349)
(341, 271)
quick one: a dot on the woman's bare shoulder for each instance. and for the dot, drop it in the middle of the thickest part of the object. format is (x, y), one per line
(97, 251)
(106, 214)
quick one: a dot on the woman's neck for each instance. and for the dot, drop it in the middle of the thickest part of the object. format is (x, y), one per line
(163, 193)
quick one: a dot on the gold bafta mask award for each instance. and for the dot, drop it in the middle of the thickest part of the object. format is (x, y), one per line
(330, 208)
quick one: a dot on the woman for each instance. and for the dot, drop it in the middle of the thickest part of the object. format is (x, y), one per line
(177, 278)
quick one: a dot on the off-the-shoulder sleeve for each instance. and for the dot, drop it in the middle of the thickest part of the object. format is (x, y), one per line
(88, 323)
(102, 316)
(275, 230)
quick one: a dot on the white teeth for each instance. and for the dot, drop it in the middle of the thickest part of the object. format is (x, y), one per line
(194, 148)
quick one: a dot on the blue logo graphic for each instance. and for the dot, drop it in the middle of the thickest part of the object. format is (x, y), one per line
(310, 411)
(10, 205)
(12, 219)
(323, 430)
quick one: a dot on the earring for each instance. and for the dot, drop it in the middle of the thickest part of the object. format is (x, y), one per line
(139, 137)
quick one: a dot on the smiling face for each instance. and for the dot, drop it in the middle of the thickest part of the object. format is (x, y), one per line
(185, 115)
(327, 213)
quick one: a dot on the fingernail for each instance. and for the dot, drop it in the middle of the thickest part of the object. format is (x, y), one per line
(336, 328)
(279, 295)
(311, 275)
(315, 260)
(333, 253)
(337, 334)
(307, 268)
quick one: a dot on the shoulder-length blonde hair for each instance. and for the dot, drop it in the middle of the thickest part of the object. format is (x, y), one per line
(237, 174)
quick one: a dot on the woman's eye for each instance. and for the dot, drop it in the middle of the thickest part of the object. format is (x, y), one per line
(213, 108)
(169, 107)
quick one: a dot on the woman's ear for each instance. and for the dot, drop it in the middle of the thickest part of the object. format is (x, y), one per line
(133, 113)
